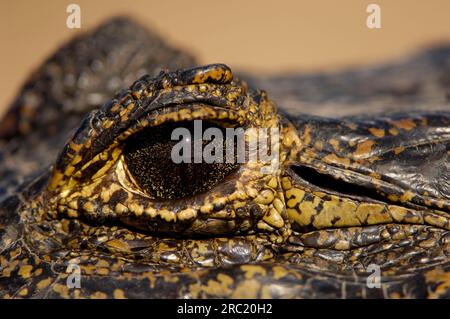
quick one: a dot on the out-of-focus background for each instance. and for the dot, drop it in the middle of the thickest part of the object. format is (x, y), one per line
(253, 35)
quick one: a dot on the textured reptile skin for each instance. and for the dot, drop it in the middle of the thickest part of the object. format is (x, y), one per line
(364, 178)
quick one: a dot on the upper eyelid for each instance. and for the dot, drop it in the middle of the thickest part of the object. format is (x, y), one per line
(88, 141)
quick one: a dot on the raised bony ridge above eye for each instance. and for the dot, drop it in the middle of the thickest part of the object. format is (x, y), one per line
(136, 108)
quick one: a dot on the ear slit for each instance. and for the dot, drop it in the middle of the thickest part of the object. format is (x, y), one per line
(334, 185)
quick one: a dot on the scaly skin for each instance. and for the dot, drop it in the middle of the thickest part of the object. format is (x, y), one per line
(348, 193)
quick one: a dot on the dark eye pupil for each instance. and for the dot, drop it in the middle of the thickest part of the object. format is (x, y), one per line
(148, 158)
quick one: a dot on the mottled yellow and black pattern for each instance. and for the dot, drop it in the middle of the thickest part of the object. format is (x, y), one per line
(349, 192)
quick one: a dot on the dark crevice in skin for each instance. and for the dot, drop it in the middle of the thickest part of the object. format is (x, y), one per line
(337, 187)
(173, 235)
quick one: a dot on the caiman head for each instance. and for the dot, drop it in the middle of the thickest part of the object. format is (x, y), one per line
(311, 215)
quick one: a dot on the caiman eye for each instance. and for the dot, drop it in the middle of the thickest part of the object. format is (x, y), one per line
(149, 160)
(119, 167)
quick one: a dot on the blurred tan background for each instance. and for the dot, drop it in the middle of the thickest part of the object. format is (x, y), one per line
(257, 36)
